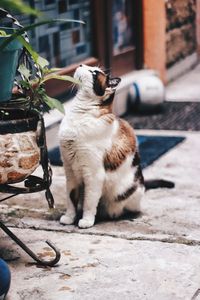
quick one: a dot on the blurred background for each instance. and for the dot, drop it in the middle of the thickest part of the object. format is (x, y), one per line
(148, 43)
(121, 35)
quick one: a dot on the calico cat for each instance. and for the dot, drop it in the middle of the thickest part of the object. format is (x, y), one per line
(99, 153)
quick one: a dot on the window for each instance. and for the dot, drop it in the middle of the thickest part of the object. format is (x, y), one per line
(48, 2)
(44, 47)
(110, 36)
(62, 6)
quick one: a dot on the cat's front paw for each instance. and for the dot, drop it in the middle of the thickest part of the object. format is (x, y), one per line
(86, 223)
(67, 220)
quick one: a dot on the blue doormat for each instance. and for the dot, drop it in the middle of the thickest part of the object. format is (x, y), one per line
(150, 147)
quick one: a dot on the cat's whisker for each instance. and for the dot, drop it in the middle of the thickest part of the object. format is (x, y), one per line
(73, 87)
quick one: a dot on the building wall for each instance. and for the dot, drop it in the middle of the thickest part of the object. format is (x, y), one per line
(180, 30)
(198, 25)
(171, 31)
(154, 24)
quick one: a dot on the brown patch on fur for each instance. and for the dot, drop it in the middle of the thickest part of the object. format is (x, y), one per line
(124, 143)
(102, 78)
(105, 111)
(107, 115)
(100, 83)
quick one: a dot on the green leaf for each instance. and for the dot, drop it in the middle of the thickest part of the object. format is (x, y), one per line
(41, 91)
(19, 6)
(39, 60)
(3, 33)
(24, 71)
(21, 31)
(24, 84)
(28, 47)
(42, 62)
(54, 103)
(61, 77)
(52, 70)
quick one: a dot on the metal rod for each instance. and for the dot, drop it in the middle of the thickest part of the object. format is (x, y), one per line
(6, 198)
(32, 184)
(49, 263)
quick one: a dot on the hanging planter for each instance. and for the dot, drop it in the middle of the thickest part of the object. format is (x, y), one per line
(8, 62)
(19, 150)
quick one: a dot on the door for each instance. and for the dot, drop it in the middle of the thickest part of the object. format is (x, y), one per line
(119, 34)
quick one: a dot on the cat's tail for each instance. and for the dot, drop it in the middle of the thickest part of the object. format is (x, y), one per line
(158, 183)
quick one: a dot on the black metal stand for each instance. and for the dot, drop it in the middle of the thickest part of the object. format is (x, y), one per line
(34, 184)
(49, 263)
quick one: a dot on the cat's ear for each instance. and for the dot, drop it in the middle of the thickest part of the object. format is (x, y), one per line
(113, 82)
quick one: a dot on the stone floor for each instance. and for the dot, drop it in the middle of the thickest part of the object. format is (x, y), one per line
(185, 88)
(154, 256)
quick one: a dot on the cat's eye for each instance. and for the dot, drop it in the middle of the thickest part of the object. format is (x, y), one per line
(94, 72)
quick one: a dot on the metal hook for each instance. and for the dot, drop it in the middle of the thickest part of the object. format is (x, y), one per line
(49, 263)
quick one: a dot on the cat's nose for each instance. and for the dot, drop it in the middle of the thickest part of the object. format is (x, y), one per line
(80, 65)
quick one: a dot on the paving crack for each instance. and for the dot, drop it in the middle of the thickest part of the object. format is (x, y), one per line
(165, 239)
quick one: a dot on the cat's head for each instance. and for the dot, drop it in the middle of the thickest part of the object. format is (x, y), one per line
(95, 82)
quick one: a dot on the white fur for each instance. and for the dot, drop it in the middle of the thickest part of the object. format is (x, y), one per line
(115, 184)
(84, 138)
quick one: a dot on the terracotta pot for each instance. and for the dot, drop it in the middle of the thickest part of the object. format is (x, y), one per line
(19, 151)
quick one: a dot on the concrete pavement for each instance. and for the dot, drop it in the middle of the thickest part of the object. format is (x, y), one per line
(185, 88)
(155, 256)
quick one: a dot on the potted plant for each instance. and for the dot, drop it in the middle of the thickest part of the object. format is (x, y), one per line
(21, 123)
(12, 40)
(8, 62)
(9, 54)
